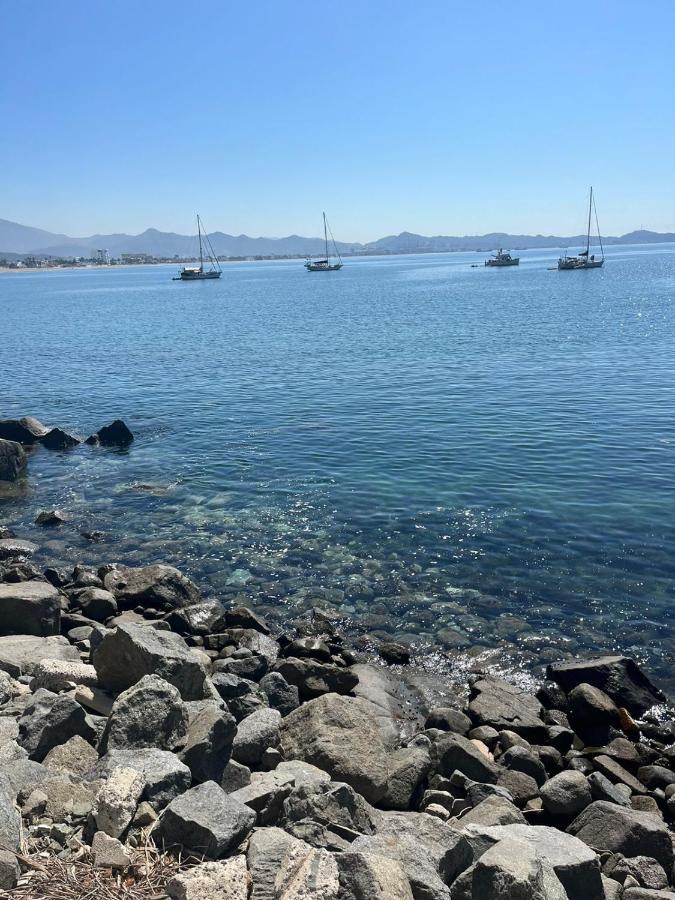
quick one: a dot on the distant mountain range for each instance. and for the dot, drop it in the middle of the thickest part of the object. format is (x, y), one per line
(18, 239)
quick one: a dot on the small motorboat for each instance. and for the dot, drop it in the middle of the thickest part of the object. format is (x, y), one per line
(502, 258)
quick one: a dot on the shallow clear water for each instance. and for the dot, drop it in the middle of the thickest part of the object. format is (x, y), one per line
(476, 458)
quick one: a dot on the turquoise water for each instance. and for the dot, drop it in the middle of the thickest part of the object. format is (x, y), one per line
(477, 460)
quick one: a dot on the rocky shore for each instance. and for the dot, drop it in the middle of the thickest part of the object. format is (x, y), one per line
(138, 717)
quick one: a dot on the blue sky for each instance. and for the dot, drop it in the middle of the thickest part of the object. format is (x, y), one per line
(435, 117)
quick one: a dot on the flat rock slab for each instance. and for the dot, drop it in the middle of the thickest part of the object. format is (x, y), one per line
(618, 676)
(227, 880)
(507, 707)
(30, 607)
(20, 654)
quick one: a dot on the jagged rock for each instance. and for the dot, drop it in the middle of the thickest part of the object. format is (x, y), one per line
(22, 431)
(617, 676)
(235, 776)
(57, 439)
(205, 617)
(606, 826)
(49, 720)
(10, 820)
(645, 870)
(76, 756)
(165, 776)
(61, 675)
(514, 869)
(308, 648)
(280, 694)
(117, 434)
(505, 706)
(94, 699)
(250, 667)
(108, 852)
(430, 853)
(156, 586)
(243, 697)
(341, 736)
(145, 815)
(575, 865)
(20, 654)
(367, 876)
(12, 460)
(208, 745)
(603, 789)
(265, 795)
(302, 773)
(205, 819)
(117, 800)
(615, 771)
(243, 617)
(226, 880)
(408, 767)
(148, 714)
(455, 752)
(97, 604)
(58, 798)
(494, 810)
(50, 518)
(331, 804)
(255, 734)
(129, 652)
(10, 870)
(307, 873)
(29, 608)
(566, 794)
(313, 678)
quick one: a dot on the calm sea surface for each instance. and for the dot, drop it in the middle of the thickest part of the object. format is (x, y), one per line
(476, 460)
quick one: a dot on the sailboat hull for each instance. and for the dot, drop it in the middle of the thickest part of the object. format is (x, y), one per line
(573, 262)
(319, 267)
(197, 276)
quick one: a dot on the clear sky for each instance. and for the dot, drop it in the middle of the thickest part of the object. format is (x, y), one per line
(437, 117)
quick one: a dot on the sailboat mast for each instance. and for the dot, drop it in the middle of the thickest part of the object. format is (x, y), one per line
(588, 233)
(325, 234)
(201, 256)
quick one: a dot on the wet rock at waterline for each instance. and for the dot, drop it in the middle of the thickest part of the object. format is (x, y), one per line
(117, 434)
(12, 460)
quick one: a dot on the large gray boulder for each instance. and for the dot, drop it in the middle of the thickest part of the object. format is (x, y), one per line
(23, 431)
(285, 868)
(117, 800)
(606, 826)
(330, 804)
(265, 795)
(157, 586)
(341, 736)
(150, 713)
(49, 720)
(505, 706)
(566, 794)
(575, 865)
(206, 820)
(165, 776)
(129, 652)
(513, 870)
(30, 607)
(367, 876)
(494, 810)
(62, 675)
(408, 767)
(431, 853)
(618, 676)
(206, 617)
(313, 678)
(255, 734)
(21, 654)
(12, 460)
(455, 752)
(208, 744)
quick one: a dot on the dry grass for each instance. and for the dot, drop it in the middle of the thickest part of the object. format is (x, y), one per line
(46, 877)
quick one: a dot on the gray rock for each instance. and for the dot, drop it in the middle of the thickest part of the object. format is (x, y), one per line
(205, 617)
(30, 608)
(455, 752)
(156, 587)
(10, 820)
(638, 893)
(12, 460)
(49, 720)
(129, 652)
(505, 706)
(566, 794)
(208, 745)
(513, 869)
(494, 811)
(616, 772)
(10, 870)
(522, 760)
(117, 800)
(243, 617)
(166, 777)
(340, 735)
(430, 853)
(655, 777)
(235, 776)
(50, 518)
(267, 856)
(226, 880)
(206, 820)
(58, 439)
(367, 876)
(280, 694)
(76, 756)
(265, 795)
(446, 718)
(617, 676)
(117, 434)
(603, 789)
(302, 773)
(255, 734)
(252, 667)
(645, 870)
(332, 804)
(591, 707)
(408, 767)
(97, 604)
(22, 431)
(109, 853)
(148, 714)
(575, 865)
(313, 678)
(20, 654)
(606, 826)
(61, 675)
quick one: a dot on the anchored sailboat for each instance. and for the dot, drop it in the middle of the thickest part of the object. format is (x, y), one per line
(325, 265)
(198, 273)
(584, 260)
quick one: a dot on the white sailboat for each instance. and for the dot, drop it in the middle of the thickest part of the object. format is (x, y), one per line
(585, 260)
(199, 273)
(325, 265)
